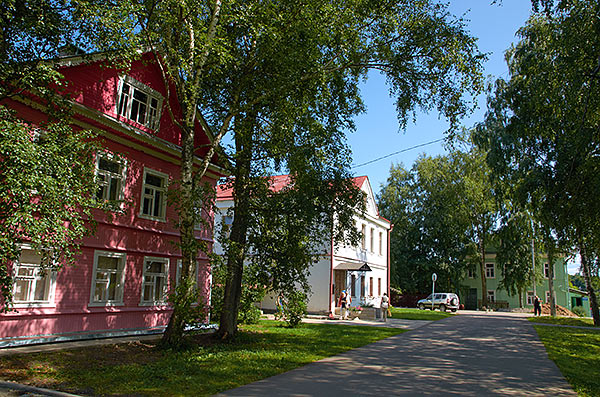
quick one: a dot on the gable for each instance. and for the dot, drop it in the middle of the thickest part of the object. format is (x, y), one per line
(371, 205)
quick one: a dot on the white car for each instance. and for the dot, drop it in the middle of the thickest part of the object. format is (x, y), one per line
(442, 301)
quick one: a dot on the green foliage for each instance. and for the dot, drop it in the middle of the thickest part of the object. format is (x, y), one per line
(579, 310)
(47, 192)
(541, 126)
(187, 300)
(295, 307)
(439, 209)
(257, 352)
(576, 352)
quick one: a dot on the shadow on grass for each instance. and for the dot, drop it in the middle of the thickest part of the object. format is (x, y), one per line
(257, 351)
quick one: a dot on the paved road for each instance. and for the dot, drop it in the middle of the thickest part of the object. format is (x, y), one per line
(474, 354)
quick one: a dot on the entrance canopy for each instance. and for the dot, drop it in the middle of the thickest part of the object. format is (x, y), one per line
(361, 267)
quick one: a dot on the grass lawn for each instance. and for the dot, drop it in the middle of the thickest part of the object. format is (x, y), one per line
(260, 351)
(585, 322)
(416, 314)
(576, 352)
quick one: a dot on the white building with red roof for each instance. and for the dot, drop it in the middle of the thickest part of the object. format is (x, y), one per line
(363, 270)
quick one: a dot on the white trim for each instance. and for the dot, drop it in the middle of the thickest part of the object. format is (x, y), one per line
(120, 287)
(547, 269)
(152, 123)
(123, 175)
(163, 190)
(492, 295)
(51, 287)
(165, 275)
(178, 272)
(493, 268)
(528, 295)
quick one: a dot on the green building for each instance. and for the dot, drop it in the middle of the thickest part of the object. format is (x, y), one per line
(471, 294)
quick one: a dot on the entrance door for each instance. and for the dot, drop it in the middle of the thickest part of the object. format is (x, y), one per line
(339, 277)
(471, 303)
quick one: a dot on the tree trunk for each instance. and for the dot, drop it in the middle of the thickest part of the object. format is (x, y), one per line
(551, 276)
(520, 298)
(236, 251)
(173, 335)
(585, 266)
(484, 302)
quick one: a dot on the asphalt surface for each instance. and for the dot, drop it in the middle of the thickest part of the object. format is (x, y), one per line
(471, 354)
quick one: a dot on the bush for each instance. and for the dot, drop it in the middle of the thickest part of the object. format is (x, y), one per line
(295, 308)
(579, 310)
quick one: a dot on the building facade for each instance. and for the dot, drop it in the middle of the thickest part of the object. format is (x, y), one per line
(471, 294)
(121, 278)
(363, 271)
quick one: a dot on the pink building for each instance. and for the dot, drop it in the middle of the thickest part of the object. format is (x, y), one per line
(120, 282)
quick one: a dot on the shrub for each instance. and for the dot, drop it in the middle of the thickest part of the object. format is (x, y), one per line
(295, 308)
(579, 310)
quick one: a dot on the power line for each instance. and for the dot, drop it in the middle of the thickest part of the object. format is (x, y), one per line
(398, 152)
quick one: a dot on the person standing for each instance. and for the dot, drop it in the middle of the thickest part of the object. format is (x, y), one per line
(343, 304)
(385, 303)
(348, 303)
(537, 306)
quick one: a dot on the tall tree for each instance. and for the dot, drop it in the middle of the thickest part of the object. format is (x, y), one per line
(545, 122)
(282, 77)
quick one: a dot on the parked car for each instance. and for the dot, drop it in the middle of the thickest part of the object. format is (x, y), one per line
(441, 300)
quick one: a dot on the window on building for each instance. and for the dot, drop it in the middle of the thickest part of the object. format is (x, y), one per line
(108, 278)
(379, 286)
(530, 297)
(372, 242)
(110, 175)
(154, 284)
(363, 290)
(471, 273)
(226, 225)
(353, 285)
(363, 237)
(180, 270)
(491, 296)
(547, 270)
(489, 270)
(139, 103)
(154, 195)
(380, 243)
(370, 286)
(32, 285)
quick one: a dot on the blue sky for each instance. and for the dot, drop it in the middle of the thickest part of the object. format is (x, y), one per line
(377, 132)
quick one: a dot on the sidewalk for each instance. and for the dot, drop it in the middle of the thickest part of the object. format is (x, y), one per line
(472, 354)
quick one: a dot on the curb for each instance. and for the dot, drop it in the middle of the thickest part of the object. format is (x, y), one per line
(36, 390)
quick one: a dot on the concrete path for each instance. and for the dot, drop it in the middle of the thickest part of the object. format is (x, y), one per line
(471, 354)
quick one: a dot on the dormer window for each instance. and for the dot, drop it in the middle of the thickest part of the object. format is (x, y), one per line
(139, 103)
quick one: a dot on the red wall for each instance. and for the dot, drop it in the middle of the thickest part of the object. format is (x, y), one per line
(95, 87)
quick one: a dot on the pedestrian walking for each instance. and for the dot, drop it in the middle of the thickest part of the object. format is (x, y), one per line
(348, 304)
(537, 306)
(385, 303)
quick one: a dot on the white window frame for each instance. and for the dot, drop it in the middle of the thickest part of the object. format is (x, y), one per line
(51, 288)
(163, 207)
(118, 301)
(530, 297)
(151, 122)
(490, 270)
(372, 241)
(164, 275)
(107, 174)
(491, 294)
(547, 270)
(380, 243)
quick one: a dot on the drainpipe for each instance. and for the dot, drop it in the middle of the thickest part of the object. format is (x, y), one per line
(388, 259)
